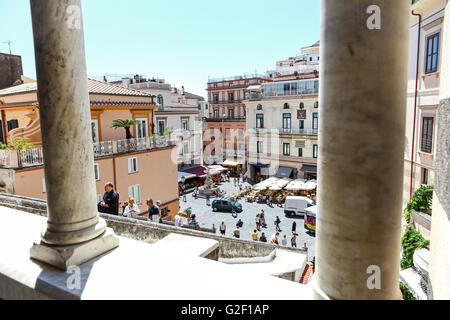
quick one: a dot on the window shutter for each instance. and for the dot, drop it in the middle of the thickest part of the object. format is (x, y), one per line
(44, 190)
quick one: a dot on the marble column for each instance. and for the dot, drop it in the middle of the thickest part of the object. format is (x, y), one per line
(74, 233)
(363, 79)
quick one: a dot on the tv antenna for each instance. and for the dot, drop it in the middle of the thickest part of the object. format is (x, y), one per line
(9, 45)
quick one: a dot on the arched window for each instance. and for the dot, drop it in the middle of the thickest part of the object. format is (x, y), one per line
(259, 107)
(316, 104)
(302, 105)
(160, 100)
(286, 106)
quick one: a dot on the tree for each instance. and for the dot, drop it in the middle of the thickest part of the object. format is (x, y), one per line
(126, 124)
(21, 143)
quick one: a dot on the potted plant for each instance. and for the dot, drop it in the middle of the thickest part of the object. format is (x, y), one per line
(126, 124)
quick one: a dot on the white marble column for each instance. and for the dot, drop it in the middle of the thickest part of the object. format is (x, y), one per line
(66, 135)
(363, 79)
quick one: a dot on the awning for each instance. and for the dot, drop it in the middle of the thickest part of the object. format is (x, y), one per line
(198, 171)
(260, 165)
(311, 169)
(217, 168)
(185, 175)
(284, 172)
(230, 163)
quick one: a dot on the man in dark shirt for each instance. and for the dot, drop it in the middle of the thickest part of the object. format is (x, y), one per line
(110, 203)
(153, 211)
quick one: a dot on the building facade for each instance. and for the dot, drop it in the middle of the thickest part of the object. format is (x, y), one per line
(425, 64)
(133, 165)
(282, 128)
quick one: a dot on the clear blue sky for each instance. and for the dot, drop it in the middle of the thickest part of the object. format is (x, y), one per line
(183, 41)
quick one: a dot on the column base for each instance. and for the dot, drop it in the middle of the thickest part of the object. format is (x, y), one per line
(62, 257)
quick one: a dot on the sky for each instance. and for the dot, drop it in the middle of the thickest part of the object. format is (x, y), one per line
(181, 41)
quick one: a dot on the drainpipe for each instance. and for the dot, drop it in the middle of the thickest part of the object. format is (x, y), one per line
(415, 104)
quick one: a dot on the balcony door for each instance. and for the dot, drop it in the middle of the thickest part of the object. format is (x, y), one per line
(141, 128)
(94, 127)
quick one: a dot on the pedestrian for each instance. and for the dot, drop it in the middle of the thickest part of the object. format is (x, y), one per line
(207, 200)
(237, 233)
(223, 228)
(294, 240)
(284, 241)
(124, 205)
(132, 210)
(294, 226)
(255, 235)
(277, 224)
(258, 222)
(110, 202)
(153, 211)
(274, 239)
(179, 219)
(239, 223)
(193, 224)
(263, 238)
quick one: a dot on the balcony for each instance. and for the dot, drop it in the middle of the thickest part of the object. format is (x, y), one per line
(227, 101)
(303, 132)
(226, 119)
(34, 157)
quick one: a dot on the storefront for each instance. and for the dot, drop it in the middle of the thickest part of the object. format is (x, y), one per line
(257, 172)
(285, 172)
(309, 171)
(234, 167)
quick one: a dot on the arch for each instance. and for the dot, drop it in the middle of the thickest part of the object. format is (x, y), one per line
(286, 106)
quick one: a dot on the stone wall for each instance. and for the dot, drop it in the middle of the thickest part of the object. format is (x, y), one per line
(150, 232)
(10, 70)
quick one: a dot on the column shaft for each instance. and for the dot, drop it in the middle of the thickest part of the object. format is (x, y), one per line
(65, 122)
(363, 78)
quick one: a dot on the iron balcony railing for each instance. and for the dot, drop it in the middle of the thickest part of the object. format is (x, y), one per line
(104, 148)
(131, 145)
(306, 132)
(226, 101)
(28, 158)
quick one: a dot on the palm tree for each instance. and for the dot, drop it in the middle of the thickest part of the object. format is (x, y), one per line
(126, 124)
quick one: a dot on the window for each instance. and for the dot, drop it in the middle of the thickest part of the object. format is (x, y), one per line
(216, 98)
(316, 104)
(216, 114)
(230, 113)
(259, 107)
(286, 106)
(199, 106)
(259, 121)
(315, 124)
(427, 134)
(12, 124)
(259, 147)
(230, 97)
(315, 151)
(161, 100)
(302, 105)
(135, 192)
(425, 176)
(186, 147)
(301, 124)
(132, 165)
(432, 53)
(161, 127)
(286, 149)
(185, 124)
(141, 127)
(96, 172)
(286, 121)
(300, 152)
(206, 106)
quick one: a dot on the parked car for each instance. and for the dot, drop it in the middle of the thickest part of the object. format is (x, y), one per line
(226, 205)
(295, 206)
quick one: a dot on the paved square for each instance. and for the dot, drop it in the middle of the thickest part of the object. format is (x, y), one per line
(206, 218)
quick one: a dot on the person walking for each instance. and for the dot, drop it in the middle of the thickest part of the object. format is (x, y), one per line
(263, 238)
(207, 200)
(223, 228)
(262, 219)
(294, 240)
(294, 226)
(255, 235)
(284, 241)
(237, 233)
(132, 210)
(110, 202)
(153, 211)
(258, 222)
(277, 224)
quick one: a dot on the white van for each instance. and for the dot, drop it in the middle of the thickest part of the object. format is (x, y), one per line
(295, 206)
